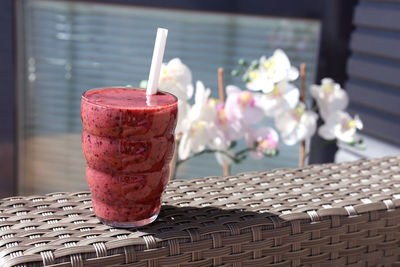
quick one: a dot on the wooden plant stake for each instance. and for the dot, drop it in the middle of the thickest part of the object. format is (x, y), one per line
(222, 99)
(302, 100)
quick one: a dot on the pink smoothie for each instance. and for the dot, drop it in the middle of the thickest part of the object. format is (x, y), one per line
(128, 142)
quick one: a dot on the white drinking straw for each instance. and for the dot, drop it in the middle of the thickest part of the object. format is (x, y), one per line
(156, 62)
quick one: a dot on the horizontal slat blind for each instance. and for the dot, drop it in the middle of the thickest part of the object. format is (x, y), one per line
(364, 92)
(72, 47)
(373, 42)
(374, 68)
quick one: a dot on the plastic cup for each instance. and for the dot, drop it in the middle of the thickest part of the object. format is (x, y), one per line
(128, 142)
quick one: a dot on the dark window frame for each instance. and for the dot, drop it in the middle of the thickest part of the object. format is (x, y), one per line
(8, 100)
(335, 17)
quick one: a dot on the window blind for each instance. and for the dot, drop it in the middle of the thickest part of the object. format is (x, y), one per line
(68, 48)
(374, 68)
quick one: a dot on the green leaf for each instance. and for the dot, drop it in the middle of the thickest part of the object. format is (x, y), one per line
(255, 144)
(233, 144)
(272, 153)
(246, 79)
(255, 64)
(235, 73)
(242, 62)
(351, 143)
(236, 161)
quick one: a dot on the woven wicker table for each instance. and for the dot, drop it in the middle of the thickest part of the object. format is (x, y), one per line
(322, 215)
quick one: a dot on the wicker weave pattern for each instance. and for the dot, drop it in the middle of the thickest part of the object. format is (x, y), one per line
(322, 215)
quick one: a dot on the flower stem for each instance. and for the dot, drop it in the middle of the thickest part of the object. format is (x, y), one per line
(243, 151)
(235, 157)
(205, 151)
(315, 108)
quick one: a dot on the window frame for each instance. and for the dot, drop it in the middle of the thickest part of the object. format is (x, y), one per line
(335, 17)
(8, 100)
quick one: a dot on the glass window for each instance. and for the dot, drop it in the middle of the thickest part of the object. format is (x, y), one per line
(67, 48)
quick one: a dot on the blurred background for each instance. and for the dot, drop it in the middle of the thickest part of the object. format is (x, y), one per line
(52, 51)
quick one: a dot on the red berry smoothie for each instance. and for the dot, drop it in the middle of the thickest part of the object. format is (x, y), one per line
(128, 141)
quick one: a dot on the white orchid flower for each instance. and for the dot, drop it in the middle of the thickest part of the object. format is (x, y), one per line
(224, 132)
(296, 124)
(176, 78)
(278, 67)
(264, 139)
(219, 143)
(227, 130)
(270, 71)
(259, 80)
(243, 106)
(329, 96)
(196, 126)
(342, 126)
(204, 107)
(284, 96)
(193, 141)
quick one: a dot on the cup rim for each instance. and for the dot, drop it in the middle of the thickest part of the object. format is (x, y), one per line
(128, 87)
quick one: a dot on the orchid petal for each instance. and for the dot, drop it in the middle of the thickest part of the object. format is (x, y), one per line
(293, 74)
(184, 147)
(175, 77)
(359, 123)
(256, 155)
(296, 124)
(326, 132)
(271, 70)
(291, 97)
(340, 125)
(244, 106)
(329, 96)
(189, 91)
(232, 89)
